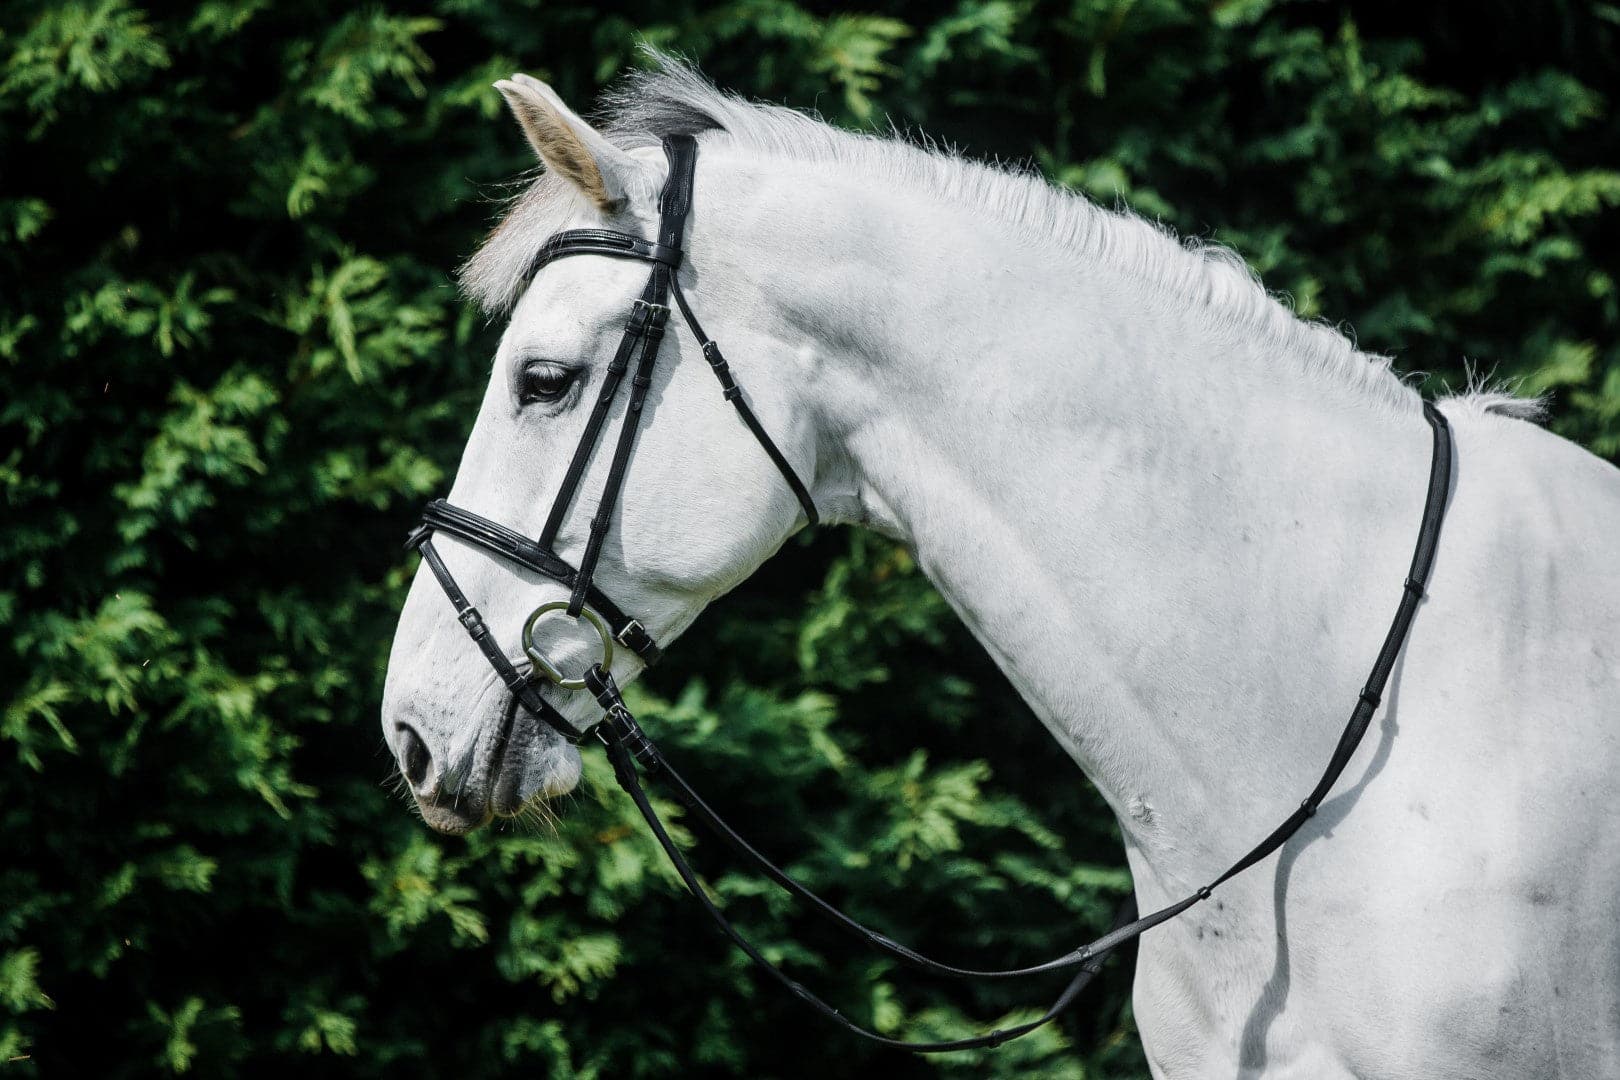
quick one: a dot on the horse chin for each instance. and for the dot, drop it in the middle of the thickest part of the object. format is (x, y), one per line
(515, 794)
(551, 769)
(457, 818)
(533, 766)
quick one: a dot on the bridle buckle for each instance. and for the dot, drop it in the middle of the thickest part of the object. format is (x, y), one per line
(643, 314)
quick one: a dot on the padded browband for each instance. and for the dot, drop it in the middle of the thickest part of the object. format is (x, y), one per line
(604, 242)
(497, 539)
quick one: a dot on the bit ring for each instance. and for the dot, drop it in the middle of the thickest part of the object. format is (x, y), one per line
(543, 664)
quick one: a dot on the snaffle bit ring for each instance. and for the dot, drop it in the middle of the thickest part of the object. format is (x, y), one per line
(544, 665)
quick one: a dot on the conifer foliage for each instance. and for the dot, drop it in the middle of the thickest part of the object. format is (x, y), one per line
(233, 364)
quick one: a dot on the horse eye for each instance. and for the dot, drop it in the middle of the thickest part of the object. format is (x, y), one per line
(544, 383)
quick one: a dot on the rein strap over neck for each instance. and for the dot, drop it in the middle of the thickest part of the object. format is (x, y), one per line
(628, 745)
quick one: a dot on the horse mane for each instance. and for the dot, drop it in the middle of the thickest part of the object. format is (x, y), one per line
(673, 98)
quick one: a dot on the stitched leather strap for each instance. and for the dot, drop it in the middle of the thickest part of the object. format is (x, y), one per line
(604, 242)
(675, 202)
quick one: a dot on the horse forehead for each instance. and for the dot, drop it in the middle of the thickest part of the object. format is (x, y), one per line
(579, 293)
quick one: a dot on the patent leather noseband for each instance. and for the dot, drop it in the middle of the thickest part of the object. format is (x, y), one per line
(628, 745)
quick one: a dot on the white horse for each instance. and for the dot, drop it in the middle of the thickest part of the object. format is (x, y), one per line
(1178, 518)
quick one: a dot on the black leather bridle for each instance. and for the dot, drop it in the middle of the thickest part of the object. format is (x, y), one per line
(643, 334)
(627, 745)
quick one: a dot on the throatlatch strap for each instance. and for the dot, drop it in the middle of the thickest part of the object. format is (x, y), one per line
(627, 743)
(734, 394)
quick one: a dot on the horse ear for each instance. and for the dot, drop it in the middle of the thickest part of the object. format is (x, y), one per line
(568, 145)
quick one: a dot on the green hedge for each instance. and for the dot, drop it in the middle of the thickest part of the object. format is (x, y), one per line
(232, 364)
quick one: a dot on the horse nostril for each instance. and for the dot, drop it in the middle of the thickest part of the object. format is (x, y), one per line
(414, 758)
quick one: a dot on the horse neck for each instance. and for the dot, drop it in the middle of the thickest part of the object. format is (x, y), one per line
(1181, 544)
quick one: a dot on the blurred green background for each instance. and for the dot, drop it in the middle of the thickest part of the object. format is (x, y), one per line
(233, 364)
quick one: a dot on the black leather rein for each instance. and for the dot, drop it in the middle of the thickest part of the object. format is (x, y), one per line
(628, 745)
